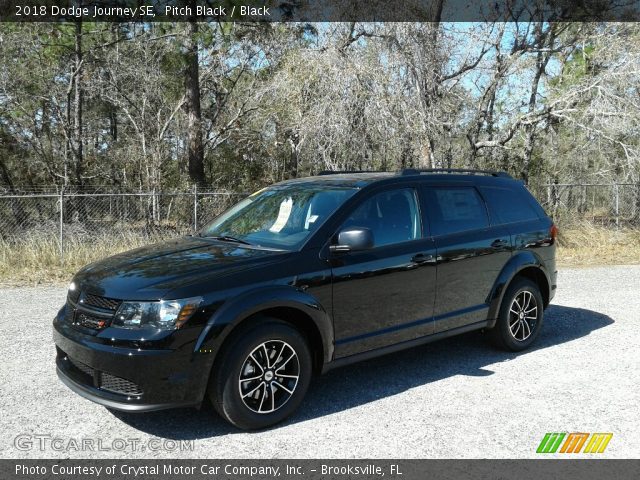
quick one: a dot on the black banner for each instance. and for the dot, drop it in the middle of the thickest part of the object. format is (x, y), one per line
(318, 10)
(583, 469)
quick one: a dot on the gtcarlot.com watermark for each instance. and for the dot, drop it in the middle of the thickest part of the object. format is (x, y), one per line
(43, 442)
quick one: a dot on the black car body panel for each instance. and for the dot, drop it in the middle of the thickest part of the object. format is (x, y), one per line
(296, 297)
(350, 306)
(168, 269)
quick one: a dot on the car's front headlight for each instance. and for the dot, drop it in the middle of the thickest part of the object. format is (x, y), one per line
(165, 314)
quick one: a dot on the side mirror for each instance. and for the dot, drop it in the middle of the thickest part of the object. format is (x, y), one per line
(353, 239)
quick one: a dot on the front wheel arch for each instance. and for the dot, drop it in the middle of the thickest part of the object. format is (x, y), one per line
(223, 383)
(291, 316)
(284, 302)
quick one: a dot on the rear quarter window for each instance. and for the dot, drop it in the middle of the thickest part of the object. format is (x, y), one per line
(509, 205)
(455, 209)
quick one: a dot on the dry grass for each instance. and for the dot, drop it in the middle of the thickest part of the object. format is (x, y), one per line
(586, 244)
(36, 261)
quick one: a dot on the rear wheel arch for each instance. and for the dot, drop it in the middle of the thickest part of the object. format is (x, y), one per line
(536, 275)
(525, 265)
(520, 317)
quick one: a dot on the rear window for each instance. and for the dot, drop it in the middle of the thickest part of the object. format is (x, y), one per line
(509, 205)
(455, 209)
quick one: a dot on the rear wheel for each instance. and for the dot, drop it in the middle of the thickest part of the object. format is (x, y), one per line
(521, 316)
(262, 376)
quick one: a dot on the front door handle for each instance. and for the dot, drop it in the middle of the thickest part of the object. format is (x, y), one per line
(423, 258)
(499, 243)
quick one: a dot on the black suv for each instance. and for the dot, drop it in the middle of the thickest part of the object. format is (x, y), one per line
(303, 276)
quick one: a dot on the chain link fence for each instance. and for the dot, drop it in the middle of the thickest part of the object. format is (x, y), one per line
(611, 205)
(72, 218)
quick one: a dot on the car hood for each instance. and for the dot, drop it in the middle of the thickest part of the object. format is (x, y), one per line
(152, 272)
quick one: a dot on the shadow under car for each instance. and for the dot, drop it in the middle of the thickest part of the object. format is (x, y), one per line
(370, 380)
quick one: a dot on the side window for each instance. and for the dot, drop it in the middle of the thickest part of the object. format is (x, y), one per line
(455, 209)
(508, 206)
(392, 217)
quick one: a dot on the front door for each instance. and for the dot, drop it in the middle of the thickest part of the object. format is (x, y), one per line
(384, 295)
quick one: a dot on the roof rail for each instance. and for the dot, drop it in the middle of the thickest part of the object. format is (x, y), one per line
(344, 172)
(417, 171)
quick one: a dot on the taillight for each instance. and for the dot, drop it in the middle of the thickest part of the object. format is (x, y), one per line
(553, 231)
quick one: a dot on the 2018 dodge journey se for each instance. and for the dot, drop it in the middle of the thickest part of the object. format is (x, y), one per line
(303, 276)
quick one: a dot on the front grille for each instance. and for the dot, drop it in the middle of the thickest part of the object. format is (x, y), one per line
(86, 369)
(88, 320)
(106, 381)
(119, 385)
(92, 313)
(100, 302)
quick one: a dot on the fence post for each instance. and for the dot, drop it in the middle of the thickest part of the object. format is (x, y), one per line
(61, 224)
(195, 208)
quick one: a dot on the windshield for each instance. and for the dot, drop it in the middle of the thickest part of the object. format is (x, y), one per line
(280, 217)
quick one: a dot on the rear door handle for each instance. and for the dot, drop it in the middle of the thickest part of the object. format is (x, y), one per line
(423, 258)
(499, 243)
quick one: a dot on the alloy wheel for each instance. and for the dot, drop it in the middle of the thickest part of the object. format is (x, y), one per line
(523, 315)
(269, 376)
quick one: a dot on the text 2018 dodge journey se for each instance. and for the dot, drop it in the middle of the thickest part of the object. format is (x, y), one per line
(304, 276)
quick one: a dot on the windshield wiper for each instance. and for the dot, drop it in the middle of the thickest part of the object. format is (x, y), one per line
(229, 238)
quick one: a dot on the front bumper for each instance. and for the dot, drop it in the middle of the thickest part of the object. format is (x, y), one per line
(129, 379)
(113, 401)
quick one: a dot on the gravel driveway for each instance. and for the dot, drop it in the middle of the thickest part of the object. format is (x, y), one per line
(455, 398)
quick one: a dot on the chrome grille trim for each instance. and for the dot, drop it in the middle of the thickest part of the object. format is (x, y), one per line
(91, 311)
(88, 320)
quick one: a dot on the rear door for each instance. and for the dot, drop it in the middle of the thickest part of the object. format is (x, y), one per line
(470, 253)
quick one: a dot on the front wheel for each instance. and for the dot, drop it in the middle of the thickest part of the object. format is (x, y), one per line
(262, 377)
(520, 317)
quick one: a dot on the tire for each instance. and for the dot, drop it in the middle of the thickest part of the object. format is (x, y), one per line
(243, 391)
(519, 320)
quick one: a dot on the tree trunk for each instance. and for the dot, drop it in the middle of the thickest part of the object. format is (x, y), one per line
(113, 123)
(294, 156)
(548, 39)
(78, 153)
(195, 146)
(426, 154)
